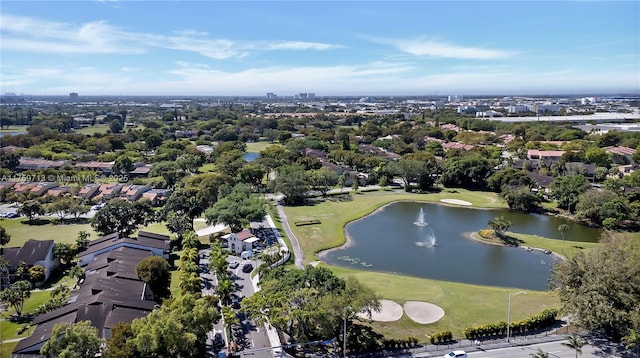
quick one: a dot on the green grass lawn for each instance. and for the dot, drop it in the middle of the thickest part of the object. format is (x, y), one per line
(13, 129)
(43, 229)
(207, 167)
(7, 348)
(257, 147)
(464, 304)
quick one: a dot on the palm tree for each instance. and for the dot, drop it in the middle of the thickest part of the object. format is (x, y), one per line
(224, 290)
(562, 228)
(575, 342)
(540, 354)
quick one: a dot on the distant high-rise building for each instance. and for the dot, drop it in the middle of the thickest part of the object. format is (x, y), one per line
(73, 95)
(271, 95)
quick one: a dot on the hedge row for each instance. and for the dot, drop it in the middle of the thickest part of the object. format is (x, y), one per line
(441, 337)
(541, 320)
(400, 343)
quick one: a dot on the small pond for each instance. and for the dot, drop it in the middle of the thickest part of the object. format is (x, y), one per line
(433, 241)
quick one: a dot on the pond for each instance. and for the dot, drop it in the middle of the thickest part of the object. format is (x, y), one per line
(394, 239)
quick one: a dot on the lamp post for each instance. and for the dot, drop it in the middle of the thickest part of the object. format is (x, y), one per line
(344, 331)
(509, 311)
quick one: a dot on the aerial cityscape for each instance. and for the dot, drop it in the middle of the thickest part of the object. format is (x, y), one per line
(310, 178)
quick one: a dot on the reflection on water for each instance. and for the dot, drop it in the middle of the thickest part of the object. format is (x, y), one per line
(390, 241)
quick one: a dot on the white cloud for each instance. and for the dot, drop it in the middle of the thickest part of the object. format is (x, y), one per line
(299, 45)
(41, 36)
(433, 48)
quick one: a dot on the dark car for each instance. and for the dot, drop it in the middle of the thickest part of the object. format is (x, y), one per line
(218, 341)
(235, 302)
(247, 268)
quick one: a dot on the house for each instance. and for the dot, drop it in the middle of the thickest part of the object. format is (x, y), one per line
(102, 167)
(157, 244)
(32, 253)
(620, 155)
(134, 192)
(41, 188)
(542, 182)
(88, 191)
(140, 170)
(457, 145)
(59, 191)
(157, 197)
(108, 191)
(40, 163)
(241, 241)
(553, 155)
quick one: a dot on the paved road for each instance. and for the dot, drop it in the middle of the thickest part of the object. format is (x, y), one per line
(297, 251)
(523, 348)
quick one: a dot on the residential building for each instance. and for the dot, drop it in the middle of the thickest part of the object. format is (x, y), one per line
(241, 241)
(32, 253)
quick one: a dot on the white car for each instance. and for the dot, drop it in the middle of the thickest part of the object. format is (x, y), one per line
(456, 354)
(234, 264)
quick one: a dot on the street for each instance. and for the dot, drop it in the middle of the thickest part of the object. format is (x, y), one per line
(255, 336)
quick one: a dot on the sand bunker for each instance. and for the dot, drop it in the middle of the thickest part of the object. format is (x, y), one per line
(455, 201)
(423, 312)
(389, 311)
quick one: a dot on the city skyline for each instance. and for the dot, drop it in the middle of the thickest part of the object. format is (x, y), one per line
(249, 48)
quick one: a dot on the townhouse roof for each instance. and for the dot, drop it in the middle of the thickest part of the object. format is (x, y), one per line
(542, 180)
(623, 151)
(10, 148)
(145, 239)
(244, 235)
(31, 252)
(457, 145)
(95, 165)
(101, 310)
(41, 163)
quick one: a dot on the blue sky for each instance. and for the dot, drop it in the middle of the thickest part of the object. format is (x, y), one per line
(246, 48)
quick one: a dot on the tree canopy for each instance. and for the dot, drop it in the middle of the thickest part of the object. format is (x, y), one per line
(154, 271)
(600, 287)
(78, 340)
(123, 217)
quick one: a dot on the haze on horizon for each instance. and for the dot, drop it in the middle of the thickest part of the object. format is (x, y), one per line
(248, 48)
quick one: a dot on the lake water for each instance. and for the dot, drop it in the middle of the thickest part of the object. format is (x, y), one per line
(2, 134)
(250, 156)
(390, 241)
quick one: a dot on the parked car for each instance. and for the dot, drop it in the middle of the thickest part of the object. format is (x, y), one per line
(456, 354)
(218, 341)
(247, 268)
(234, 264)
(235, 302)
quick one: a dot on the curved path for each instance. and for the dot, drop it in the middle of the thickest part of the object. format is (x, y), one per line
(297, 251)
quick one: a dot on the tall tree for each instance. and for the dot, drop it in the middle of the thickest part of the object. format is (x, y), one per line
(575, 342)
(566, 190)
(16, 294)
(600, 287)
(292, 182)
(4, 236)
(237, 209)
(31, 209)
(500, 225)
(122, 216)
(175, 330)
(154, 271)
(120, 345)
(79, 340)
